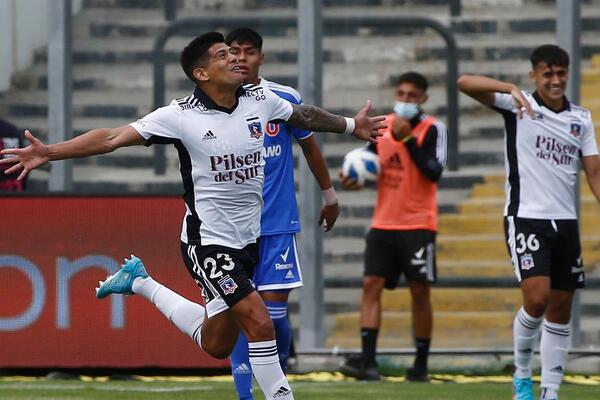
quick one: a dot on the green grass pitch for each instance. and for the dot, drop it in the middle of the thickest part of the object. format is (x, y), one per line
(222, 389)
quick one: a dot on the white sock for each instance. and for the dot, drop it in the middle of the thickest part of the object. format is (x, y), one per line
(267, 370)
(554, 348)
(184, 314)
(525, 331)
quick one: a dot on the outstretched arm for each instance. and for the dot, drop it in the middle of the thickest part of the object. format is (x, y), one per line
(312, 118)
(483, 89)
(97, 141)
(316, 163)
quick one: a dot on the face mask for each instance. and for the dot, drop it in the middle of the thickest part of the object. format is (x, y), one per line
(406, 110)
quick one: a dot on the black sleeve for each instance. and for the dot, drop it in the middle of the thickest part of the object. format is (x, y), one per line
(425, 156)
(372, 147)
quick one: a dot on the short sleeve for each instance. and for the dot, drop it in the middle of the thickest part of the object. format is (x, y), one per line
(163, 125)
(588, 140)
(279, 109)
(504, 101)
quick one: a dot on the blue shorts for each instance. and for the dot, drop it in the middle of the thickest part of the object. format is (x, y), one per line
(278, 266)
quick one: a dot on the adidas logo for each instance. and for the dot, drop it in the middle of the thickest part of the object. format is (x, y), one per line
(527, 351)
(283, 391)
(394, 162)
(209, 135)
(289, 275)
(242, 369)
(558, 368)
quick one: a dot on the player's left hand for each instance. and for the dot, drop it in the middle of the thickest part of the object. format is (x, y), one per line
(368, 128)
(329, 215)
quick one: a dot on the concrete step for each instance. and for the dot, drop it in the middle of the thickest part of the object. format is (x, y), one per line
(450, 329)
(451, 248)
(133, 103)
(590, 90)
(131, 169)
(490, 338)
(335, 74)
(446, 323)
(457, 300)
(341, 49)
(590, 75)
(476, 18)
(496, 190)
(486, 223)
(493, 204)
(445, 269)
(486, 126)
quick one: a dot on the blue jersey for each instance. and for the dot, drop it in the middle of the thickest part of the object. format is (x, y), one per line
(280, 210)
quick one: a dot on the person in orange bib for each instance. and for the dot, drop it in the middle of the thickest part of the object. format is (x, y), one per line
(412, 155)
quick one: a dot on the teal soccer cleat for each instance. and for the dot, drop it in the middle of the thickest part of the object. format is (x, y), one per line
(122, 280)
(522, 389)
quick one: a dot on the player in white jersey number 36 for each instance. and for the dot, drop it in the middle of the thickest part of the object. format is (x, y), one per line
(547, 139)
(218, 132)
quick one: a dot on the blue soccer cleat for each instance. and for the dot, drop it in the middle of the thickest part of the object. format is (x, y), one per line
(522, 389)
(122, 280)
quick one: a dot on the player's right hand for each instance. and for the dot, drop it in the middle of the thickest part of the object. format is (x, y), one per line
(27, 158)
(349, 183)
(521, 103)
(368, 128)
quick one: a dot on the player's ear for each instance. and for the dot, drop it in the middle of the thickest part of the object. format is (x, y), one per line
(201, 74)
(532, 75)
(262, 58)
(424, 98)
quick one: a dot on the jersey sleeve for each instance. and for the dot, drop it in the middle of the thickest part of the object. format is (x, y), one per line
(504, 102)
(588, 140)
(430, 157)
(163, 125)
(279, 109)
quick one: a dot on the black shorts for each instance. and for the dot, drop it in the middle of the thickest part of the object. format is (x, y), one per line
(545, 247)
(391, 253)
(222, 273)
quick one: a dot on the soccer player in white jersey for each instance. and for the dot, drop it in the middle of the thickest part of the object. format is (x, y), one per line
(278, 269)
(547, 139)
(218, 132)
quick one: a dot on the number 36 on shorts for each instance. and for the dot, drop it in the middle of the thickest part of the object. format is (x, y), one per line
(526, 243)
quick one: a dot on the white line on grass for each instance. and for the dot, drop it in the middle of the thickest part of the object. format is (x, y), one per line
(104, 387)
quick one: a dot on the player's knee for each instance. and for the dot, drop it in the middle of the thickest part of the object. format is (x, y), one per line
(262, 329)
(216, 348)
(372, 286)
(536, 304)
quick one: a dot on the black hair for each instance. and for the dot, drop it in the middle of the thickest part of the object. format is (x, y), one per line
(196, 52)
(550, 54)
(245, 35)
(415, 78)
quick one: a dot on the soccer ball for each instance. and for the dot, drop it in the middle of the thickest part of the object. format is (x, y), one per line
(361, 165)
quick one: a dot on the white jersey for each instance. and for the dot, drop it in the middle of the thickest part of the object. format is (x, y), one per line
(542, 157)
(221, 160)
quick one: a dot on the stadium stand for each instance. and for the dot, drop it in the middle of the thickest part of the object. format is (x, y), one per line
(113, 85)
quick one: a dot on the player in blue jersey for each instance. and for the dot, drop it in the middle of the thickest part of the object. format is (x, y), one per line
(278, 270)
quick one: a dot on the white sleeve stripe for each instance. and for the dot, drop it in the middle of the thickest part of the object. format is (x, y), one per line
(282, 88)
(307, 136)
(295, 95)
(441, 143)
